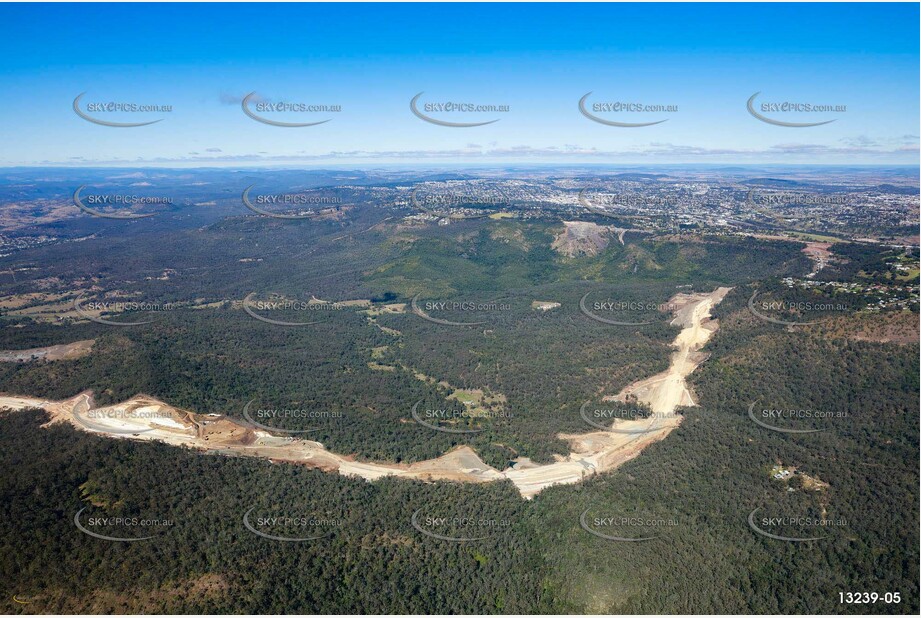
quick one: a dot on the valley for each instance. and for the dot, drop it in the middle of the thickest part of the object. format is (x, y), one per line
(145, 418)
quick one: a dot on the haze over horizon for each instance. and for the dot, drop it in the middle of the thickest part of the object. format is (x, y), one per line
(539, 62)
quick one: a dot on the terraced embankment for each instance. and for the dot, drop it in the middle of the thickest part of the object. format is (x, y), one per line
(145, 418)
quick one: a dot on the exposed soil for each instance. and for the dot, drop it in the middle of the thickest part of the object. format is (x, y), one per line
(145, 418)
(67, 351)
(581, 238)
(894, 327)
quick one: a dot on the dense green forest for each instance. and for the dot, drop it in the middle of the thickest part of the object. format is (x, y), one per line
(707, 477)
(360, 370)
(369, 367)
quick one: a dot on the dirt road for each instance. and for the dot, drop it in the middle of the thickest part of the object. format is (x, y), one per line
(145, 418)
(68, 351)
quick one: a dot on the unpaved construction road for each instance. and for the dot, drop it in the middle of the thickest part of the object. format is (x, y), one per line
(68, 351)
(145, 418)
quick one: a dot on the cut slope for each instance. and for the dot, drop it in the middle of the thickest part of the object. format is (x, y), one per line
(145, 418)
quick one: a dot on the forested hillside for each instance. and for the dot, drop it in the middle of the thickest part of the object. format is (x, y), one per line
(525, 358)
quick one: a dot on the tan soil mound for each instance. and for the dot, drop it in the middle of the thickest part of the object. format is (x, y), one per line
(145, 418)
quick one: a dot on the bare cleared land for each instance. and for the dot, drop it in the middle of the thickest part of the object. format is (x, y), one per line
(67, 351)
(581, 238)
(145, 418)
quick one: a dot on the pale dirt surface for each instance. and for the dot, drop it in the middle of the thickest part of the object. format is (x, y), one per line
(895, 327)
(21, 215)
(340, 303)
(818, 252)
(48, 306)
(581, 238)
(386, 309)
(145, 418)
(600, 451)
(20, 300)
(820, 255)
(67, 351)
(586, 238)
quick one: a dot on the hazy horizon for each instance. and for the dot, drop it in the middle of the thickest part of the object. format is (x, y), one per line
(536, 67)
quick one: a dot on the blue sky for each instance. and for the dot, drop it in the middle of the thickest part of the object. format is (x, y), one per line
(539, 60)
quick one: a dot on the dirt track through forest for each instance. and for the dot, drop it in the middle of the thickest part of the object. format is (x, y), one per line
(145, 418)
